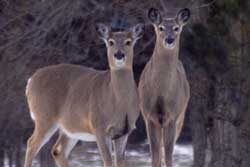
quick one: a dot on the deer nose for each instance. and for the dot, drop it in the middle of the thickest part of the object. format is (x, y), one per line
(119, 55)
(169, 40)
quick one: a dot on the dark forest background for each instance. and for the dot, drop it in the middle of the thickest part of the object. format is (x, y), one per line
(215, 50)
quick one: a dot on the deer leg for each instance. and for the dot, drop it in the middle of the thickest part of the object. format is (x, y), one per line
(179, 126)
(169, 133)
(119, 149)
(42, 133)
(103, 146)
(154, 137)
(62, 149)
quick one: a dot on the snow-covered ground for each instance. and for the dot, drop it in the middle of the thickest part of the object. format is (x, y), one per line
(87, 155)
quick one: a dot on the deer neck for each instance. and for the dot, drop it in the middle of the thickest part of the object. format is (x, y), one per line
(122, 83)
(164, 62)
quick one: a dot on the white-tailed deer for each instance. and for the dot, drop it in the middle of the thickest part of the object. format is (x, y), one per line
(163, 88)
(86, 104)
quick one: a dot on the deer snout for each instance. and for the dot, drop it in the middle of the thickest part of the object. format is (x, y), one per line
(169, 40)
(119, 55)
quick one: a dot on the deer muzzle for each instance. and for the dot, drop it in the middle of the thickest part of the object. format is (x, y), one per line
(169, 41)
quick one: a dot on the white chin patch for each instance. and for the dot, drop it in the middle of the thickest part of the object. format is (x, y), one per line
(120, 63)
(169, 46)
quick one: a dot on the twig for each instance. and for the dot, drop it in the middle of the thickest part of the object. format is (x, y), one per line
(145, 46)
(192, 8)
(12, 20)
(204, 5)
(163, 5)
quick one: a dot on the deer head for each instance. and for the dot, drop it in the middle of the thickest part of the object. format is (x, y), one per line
(120, 45)
(168, 30)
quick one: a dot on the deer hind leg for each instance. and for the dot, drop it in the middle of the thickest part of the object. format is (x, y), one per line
(119, 149)
(154, 137)
(62, 149)
(41, 135)
(169, 134)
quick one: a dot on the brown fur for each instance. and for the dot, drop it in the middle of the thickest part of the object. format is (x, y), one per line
(78, 99)
(164, 95)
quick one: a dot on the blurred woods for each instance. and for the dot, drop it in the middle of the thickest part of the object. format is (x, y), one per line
(214, 49)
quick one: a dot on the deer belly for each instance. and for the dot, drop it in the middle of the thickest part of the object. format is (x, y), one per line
(84, 136)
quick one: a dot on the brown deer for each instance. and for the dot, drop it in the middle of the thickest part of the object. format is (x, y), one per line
(86, 104)
(163, 88)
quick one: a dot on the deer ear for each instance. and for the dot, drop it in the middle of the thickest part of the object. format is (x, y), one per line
(183, 16)
(154, 16)
(102, 30)
(138, 31)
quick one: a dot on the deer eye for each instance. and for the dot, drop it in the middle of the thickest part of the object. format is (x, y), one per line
(111, 42)
(176, 28)
(128, 42)
(161, 28)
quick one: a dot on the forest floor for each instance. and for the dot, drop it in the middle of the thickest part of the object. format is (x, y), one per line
(87, 155)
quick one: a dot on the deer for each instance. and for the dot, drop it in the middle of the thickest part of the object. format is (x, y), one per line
(163, 87)
(85, 104)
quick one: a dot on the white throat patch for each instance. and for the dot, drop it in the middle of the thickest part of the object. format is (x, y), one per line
(120, 63)
(169, 46)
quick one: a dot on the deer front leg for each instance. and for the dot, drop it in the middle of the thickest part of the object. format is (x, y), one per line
(169, 133)
(179, 125)
(103, 146)
(62, 149)
(119, 150)
(154, 137)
